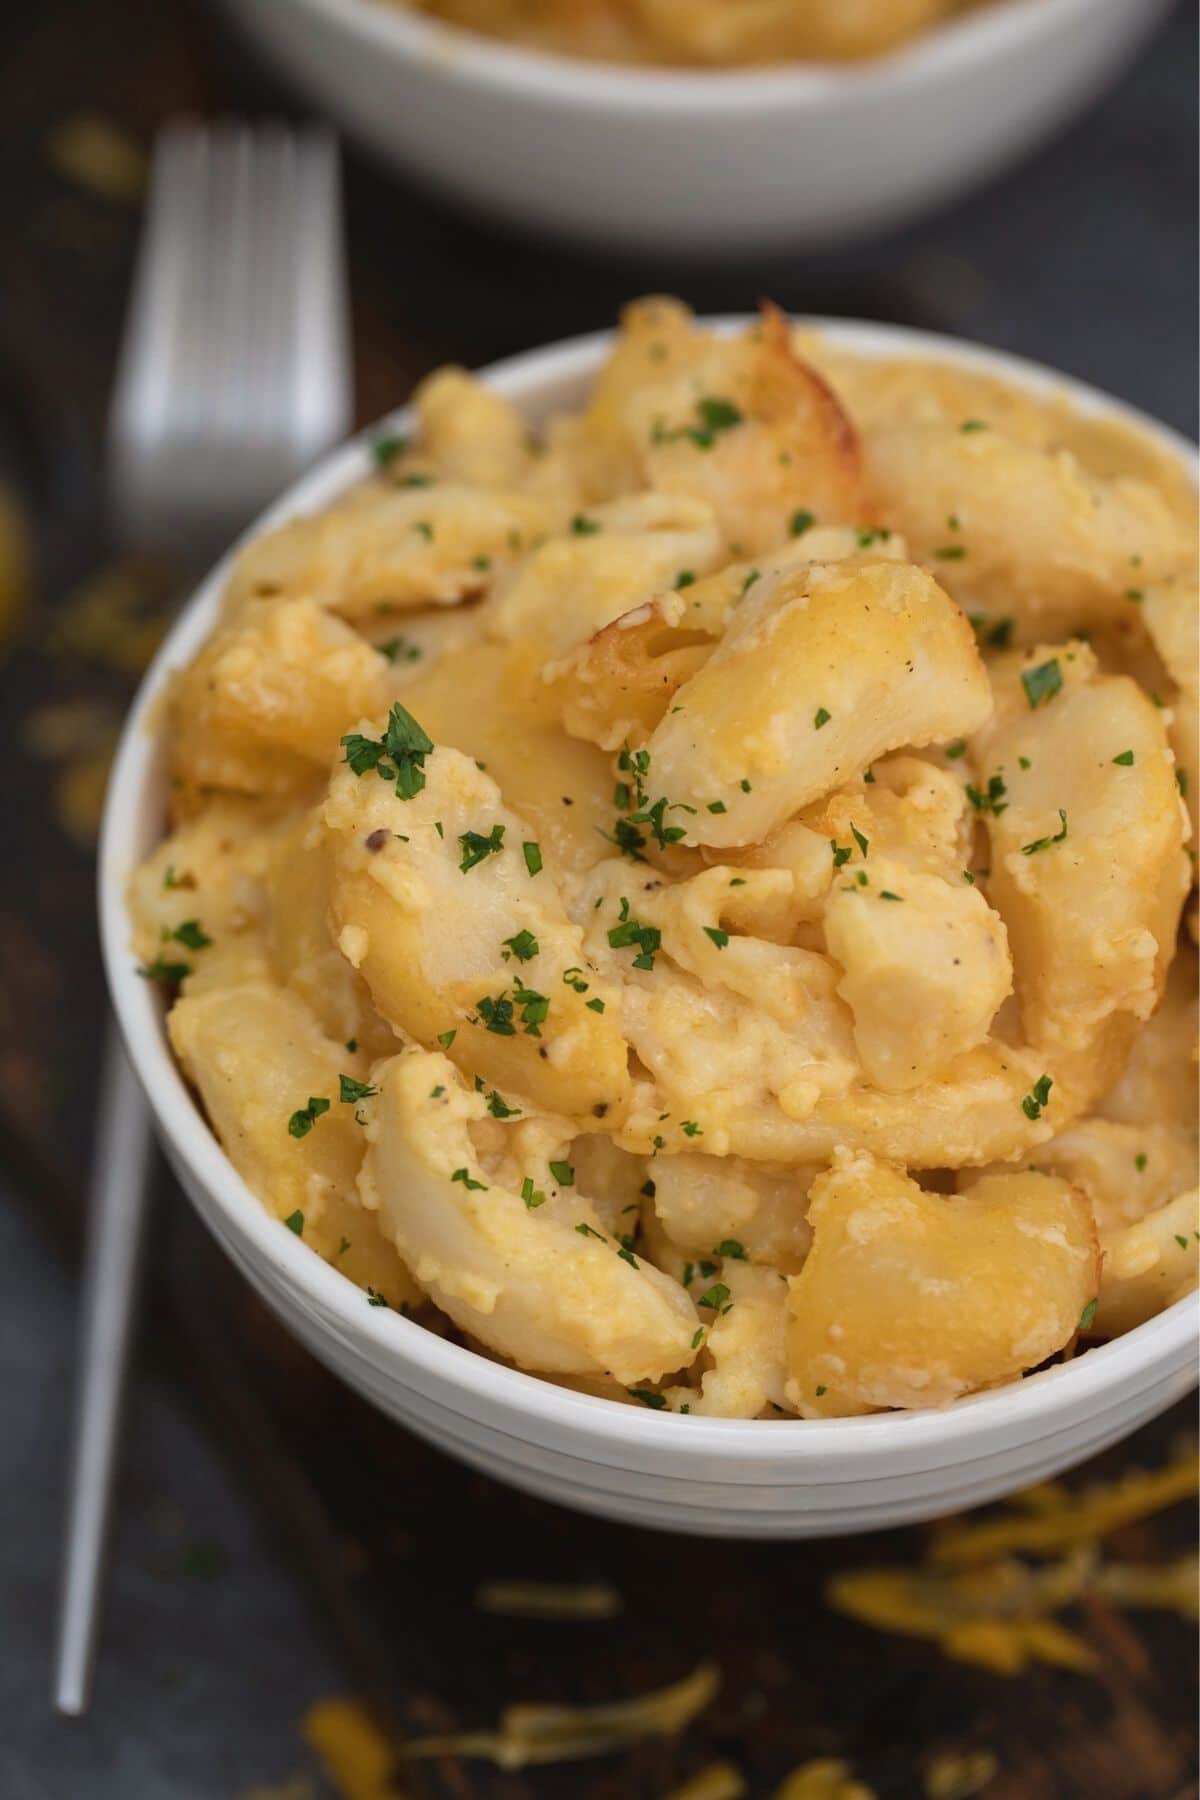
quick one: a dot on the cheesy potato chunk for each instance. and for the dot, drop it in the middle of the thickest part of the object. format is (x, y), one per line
(685, 894)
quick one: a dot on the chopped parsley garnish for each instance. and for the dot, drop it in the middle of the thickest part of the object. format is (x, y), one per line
(415, 479)
(476, 847)
(973, 425)
(1043, 682)
(821, 717)
(1181, 781)
(533, 858)
(523, 945)
(1135, 594)
(343, 1246)
(991, 800)
(697, 1337)
(755, 575)
(399, 649)
(716, 806)
(596, 1005)
(630, 932)
(446, 1038)
(841, 853)
(582, 526)
(468, 1181)
(497, 1016)
(716, 1298)
(169, 878)
(352, 1045)
(863, 843)
(586, 1230)
(1044, 843)
(191, 935)
(887, 894)
(350, 1091)
(295, 1222)
(1088, 1314)
(997, 632)
(1139, 1161)
(866, 535)
(303, 1120)
(800, 522)
(424, 529)
(160, 970)
(1181, 1240)
(499, 1108)
(534, 1008)
(647, 1396)
(720, 938)
(956, 749)
(385, 450)
(399, 755)
(690, 1128)
(1125, 760)
(950, 552)
(744, 785)
(713, 415)
(649, 1189)
(1038, 1098)
(732, 1248)
(531, 1195)
(563, 1173)
(374, 1299)
(685, 579)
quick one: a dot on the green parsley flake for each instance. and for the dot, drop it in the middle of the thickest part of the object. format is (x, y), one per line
(886, 894)
(295, 1222)
(1139, 1161)
(690, 1128)
(350, 1091)
(531, 1195)
(586, 1230)
(582, 526)
(399, 755)
(563, 1173)
(991, 800)
(630, 932)
(523, 945)
(1044, 843)
(476, 848)
(170, 972)
(716, 1298)
(716, 806)
(499, 1108)
(1125, 760)
(468, 1181)
(303, 1120)
(398, 649)
(1034, 1102)
(191, 935)
(956, 749)
(533, 858)
(647, 1396)
(800, 522)
(446, 1038)
(1088, 1314)
(385, 450)
(821, 717)
(973, 425)
(713, 415)
(685, 579)
(950, 552)
(732, 1248)
(841, 853)
(720, 938)
(1043, 682)
(863, 843)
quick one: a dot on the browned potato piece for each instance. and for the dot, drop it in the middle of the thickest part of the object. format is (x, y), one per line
(714, 33)
(462, 942)
(821, 671)
(1088, 870)
(616, 687)
(262, 707)
(739, 422)
(912, 1299)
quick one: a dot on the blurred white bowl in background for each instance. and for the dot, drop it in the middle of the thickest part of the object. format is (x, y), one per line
(731, 1477)
(713, 163)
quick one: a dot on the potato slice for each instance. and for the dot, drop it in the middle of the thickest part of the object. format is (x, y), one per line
(1172, 614)
(538, 1280)
(1148, 1265)
(262, 707)
(820, 672)
(257, 1056)
(612, 559)
(1037, 536)
(912, 1299)
(705, 1202)
(459, 935)
(925, 968)
(739, 422)
(383, 549)
(1088, 871)
(469, 433)
(744, 1346)
(616, 687)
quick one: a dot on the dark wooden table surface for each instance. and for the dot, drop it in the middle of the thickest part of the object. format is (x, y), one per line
(233, 1608)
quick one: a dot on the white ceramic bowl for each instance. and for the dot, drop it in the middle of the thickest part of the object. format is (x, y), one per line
(709, 162)
(778, 1478)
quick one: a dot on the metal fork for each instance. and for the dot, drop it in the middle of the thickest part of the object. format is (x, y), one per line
(234, 374)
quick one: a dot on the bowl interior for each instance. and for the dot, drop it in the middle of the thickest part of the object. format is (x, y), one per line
(542, 382)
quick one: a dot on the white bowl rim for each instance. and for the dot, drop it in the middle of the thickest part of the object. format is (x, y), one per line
(1159, 1345)
(937, 55)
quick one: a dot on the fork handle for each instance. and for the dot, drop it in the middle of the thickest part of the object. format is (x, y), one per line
(117, 1209)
